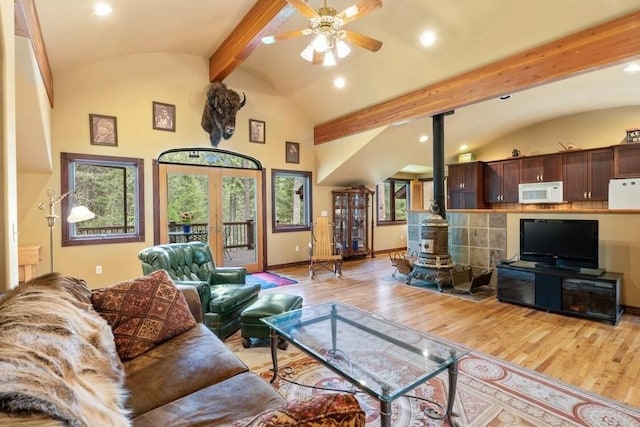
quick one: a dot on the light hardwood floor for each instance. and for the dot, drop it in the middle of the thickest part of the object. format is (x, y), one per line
(594, 356)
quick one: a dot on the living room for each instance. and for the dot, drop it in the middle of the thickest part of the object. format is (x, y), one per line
(99, 88)
(126, 87)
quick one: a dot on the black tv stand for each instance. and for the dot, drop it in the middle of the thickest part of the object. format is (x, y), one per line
(577, 293)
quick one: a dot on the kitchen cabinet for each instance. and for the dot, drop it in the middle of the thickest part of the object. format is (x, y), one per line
(353, 221)
(544, 168)
(586, 174)
(501, 181)
(465, 186)
(626, 160)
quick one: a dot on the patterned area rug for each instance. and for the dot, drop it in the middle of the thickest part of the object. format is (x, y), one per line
(268, 280)
(490, 393)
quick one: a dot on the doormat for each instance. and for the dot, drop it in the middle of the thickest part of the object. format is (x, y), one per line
(490, 392)
(268, 280)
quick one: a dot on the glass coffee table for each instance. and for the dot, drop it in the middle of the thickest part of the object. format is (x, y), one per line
(381, 358)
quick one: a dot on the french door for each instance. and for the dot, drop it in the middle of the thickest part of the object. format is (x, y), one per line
(219, 206)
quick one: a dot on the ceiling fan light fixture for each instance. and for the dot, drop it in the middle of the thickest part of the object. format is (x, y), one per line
(320, 43)
(342, 49)
(329, 59)
(307, 53)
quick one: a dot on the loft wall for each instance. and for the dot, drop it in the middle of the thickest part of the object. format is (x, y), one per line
(125, 87)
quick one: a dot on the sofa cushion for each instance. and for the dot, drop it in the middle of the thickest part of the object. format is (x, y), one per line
(244, 395)
(178, 367)
(143, 312)
(321, 410)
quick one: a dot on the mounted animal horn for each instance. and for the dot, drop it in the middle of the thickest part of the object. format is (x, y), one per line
(244, 100)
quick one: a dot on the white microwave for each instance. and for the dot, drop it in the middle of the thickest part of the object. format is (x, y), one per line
(540, 192)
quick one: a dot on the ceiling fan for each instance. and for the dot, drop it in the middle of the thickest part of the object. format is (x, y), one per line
(331, 39)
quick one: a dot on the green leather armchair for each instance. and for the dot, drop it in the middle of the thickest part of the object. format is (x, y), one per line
(227, 293)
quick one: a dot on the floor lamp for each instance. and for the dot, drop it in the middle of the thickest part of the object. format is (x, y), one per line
(77, 214)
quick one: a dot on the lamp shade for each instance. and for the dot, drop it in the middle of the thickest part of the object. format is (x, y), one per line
(80, 213)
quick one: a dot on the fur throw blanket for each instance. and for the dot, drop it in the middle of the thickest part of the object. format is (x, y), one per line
(58, 362)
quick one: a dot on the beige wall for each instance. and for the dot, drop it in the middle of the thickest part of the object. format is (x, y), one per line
(586, 130)
(8, 180)
(125, 87)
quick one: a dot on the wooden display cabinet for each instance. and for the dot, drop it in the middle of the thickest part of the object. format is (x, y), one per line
(353, 221)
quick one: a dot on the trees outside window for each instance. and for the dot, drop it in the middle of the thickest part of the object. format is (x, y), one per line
(291, 200)
(111, 187)
(393, 201)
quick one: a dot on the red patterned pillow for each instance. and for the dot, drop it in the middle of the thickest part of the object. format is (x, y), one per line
(322, 410)
(143, 312)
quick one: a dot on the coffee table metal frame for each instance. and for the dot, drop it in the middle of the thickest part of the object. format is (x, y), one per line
(337, 335)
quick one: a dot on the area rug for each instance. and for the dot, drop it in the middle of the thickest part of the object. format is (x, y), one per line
(490, 393)
(268, 280)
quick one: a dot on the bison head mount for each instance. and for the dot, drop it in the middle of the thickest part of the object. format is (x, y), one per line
(219, 115)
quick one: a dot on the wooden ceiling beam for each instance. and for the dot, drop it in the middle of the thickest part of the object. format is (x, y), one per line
(597, 47)
(264, 18)
(27, 25)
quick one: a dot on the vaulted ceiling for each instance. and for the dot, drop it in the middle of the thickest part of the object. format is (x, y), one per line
(483, 49)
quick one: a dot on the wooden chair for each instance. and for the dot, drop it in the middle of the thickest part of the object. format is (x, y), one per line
(463, 280)
(324, 253)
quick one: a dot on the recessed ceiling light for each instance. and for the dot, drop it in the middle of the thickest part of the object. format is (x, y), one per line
(428, 38)
(339, 82)
(632, 68)
(102, 9)
(424, 138)
(463, 147)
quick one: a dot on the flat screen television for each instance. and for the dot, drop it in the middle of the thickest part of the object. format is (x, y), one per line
(559, 243)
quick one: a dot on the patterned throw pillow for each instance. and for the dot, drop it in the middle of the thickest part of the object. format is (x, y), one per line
(322, 410)
(143, 312)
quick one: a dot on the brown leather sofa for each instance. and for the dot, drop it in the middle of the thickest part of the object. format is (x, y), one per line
(193, 379)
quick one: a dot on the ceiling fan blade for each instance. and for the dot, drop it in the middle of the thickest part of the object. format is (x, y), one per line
(285, 36)
(358, 10)
(363, 41)
(304, 8)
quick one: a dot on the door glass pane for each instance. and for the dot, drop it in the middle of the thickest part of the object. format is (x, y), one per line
(187, 208)
(239, 215)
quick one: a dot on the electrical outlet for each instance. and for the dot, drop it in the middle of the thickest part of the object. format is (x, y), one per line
(402, 237)
(98, 269)
(297, 248)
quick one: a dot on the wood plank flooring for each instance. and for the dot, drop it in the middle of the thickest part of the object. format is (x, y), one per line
(594, 356)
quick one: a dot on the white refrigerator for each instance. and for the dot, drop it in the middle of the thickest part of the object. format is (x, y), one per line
(624, 193)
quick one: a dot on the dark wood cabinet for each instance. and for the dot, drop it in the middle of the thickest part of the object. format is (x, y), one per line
(626, 160)
(501, 181)
(586, 174)
(465, 186)
(569, 292)
(353, 221)
(544, 168)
